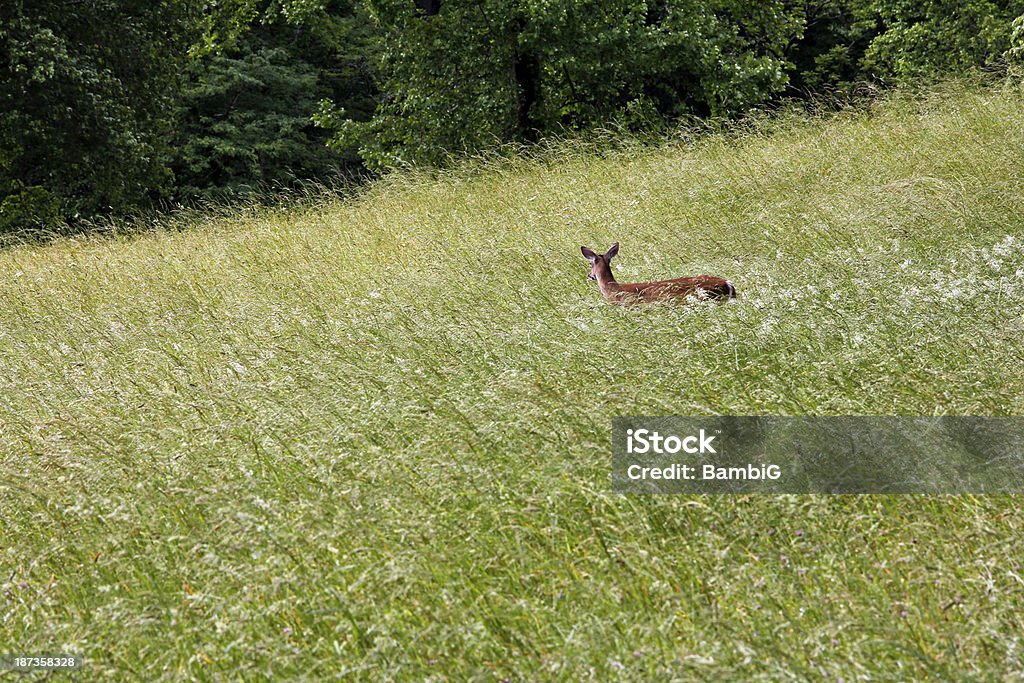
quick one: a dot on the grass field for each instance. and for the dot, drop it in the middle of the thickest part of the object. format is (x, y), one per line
(369, 438)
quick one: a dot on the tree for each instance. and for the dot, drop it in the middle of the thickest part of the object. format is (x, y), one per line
(925, 40)
(459, 75)
(899, 42)
(246, 107)
(86, 90)
(828, 55)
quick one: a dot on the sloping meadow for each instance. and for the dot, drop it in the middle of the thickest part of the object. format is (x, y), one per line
(371, 437)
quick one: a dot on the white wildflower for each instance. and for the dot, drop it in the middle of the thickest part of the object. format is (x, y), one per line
(1005, 247)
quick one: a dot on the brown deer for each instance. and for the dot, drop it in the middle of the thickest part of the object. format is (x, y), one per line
(700, 287)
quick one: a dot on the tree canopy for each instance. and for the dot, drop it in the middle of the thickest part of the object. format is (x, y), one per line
(110, 106)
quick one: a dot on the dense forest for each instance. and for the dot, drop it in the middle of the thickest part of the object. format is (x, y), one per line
(115, 106)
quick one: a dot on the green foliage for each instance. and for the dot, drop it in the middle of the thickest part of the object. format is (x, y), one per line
(899, 42)
(828, 55)
(26, 208)
(716, 57)
(247, 108)
(447, 85)
(227, 23)
(86, 92)
(926, 40)
(477, 73)
(110, 105)
(1015, 54)
(246, 120)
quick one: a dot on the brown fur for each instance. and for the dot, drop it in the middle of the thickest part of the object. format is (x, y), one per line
(700, 286)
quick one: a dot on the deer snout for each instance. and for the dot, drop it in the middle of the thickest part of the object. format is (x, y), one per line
(591, 276)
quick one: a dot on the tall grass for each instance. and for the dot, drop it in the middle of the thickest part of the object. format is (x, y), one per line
(369, 438)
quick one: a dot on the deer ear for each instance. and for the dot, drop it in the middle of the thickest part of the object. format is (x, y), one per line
(612, 251)
(588, 254)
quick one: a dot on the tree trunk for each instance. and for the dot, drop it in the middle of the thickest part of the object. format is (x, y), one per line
(526, 73)
(429, 7)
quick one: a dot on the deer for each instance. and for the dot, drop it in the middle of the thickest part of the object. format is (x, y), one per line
(700, 287)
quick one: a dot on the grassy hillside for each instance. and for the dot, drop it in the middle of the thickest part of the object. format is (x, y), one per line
(370, 438)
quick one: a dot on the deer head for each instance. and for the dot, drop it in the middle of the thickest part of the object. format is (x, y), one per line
(599, 262)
